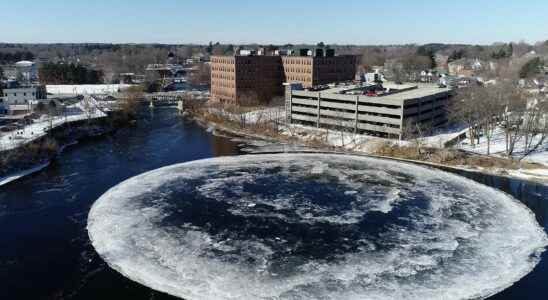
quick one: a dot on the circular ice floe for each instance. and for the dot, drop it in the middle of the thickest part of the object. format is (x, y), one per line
(310, 226)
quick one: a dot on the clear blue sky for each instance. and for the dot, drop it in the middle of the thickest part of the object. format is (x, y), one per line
(274, 21)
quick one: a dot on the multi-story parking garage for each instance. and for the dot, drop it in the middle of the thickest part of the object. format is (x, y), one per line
(369, 109)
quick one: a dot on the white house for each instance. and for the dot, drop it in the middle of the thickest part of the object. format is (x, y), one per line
(20, 99)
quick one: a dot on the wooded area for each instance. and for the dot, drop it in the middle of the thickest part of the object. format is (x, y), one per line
(52, 73)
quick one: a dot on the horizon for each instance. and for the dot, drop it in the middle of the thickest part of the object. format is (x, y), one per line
(253, 44)
(242, 22)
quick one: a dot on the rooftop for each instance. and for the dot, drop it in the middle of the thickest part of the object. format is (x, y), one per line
(391, 92)
(24, 63)
(422, 90)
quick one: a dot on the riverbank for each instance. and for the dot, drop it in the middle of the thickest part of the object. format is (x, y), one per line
(301, 137)
(37, 154)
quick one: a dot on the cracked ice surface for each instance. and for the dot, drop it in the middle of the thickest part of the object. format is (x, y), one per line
(310, 226)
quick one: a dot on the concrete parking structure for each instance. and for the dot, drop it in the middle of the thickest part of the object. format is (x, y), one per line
(383, 114)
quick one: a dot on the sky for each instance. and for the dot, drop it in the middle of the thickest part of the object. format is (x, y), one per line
(359, 22)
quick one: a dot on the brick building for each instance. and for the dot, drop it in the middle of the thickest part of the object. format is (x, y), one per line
(318, 70)
(236, 77)
(240, 78)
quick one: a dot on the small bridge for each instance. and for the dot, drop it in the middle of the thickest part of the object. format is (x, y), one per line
(165, 98)
(174, 98)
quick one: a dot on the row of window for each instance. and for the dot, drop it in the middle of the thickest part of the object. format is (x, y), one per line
(222, 60)
(298, 61)
(225, 84)
(345, 120)
(294, 78)
(380, 124)
(297, 70)
(222, 76)
(353, 101)
(334, 69)
(15, 94)
(349, 111)
(334, 62)
(425, 103)
(360, 131)
(424, 112)
(222, 68)
(222, 92)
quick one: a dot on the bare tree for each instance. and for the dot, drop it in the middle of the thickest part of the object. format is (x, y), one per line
(202, 74)
(505, 106)
(413, 65)
(130, 100)
(249, 99)
(490, 107)
(416, 132)
(514, 102)
(344, 126)
(521, 48)
(464, 110)
(535, 126)
(184, 52)
(372, 57)
(277, 113)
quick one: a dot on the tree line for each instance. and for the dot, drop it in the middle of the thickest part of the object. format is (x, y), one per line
(54, 73)
(13, 57)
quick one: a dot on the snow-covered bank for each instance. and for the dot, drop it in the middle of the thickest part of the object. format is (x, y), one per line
(14, 176)
(498, 148)
(539, 157)
(531, 174)
(366, 143)
(250, 117)
(40, 128)
(308, 139)
(18, 175)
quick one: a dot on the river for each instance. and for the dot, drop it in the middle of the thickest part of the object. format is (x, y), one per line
(45, 251)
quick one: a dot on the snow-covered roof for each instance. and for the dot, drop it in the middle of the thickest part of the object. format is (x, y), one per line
(90, 89)
(24, 63)
(18, 107)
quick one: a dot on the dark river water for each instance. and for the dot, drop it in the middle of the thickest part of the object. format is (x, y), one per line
(45, 252)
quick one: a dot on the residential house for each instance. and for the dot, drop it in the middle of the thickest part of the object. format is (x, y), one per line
(466, 67)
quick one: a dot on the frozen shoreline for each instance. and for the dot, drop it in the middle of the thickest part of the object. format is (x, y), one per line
(536, 176)
(18, 175)
(39, 167)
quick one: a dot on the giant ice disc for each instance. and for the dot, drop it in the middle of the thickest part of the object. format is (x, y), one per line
(310, 226)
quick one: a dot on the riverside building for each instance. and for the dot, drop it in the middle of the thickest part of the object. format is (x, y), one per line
(369, 109)
(255, 75)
